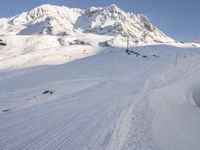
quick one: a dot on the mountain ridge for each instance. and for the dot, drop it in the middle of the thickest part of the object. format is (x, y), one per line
(61, 20)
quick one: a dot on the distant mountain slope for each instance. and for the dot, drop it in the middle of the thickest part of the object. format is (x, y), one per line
(56, 20)
(196, 40)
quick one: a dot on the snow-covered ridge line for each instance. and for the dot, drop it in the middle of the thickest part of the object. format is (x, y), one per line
(60, 20)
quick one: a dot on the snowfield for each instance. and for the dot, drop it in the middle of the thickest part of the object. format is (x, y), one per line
(67, 82)
(109, 100)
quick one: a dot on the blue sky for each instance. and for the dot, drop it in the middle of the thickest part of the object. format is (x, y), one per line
(177, 18)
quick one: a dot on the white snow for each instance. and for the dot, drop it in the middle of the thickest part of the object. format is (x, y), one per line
(110, 100)
(80, 90)
(56, 20)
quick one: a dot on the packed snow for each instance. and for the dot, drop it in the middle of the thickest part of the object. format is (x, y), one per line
(83, 90)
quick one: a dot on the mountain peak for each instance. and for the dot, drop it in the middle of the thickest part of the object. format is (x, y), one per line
(113, 8)
(109, 20)
(45, 6)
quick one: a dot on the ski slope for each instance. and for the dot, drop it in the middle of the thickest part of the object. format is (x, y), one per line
(106, 101)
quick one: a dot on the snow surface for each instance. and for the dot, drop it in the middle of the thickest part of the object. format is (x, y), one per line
(75, 87)
(197, 40)
(109, 100)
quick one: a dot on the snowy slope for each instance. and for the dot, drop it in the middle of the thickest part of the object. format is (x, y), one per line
(51, 35)
(110, 100)
(111, 20)
(66, 82)
(29, 51)
(195, 40)
(23, 51)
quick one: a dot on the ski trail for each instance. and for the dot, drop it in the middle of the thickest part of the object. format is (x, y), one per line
(112, 113)
(127, 134)
(133, 129)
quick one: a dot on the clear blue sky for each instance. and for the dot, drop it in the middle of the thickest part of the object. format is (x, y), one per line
(177, 18)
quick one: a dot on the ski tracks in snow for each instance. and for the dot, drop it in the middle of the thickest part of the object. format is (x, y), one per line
(112, 114)
(132, 131)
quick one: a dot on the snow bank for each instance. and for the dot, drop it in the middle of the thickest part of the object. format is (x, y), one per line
(176, 108)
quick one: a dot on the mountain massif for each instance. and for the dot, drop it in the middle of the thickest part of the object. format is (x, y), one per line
(63, 21)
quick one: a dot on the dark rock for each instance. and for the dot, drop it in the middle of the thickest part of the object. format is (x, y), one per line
(5, 110)
(78, 42)
(47, 92)
(105, 44)
(3, 44)
(156, 56)
(136, 53)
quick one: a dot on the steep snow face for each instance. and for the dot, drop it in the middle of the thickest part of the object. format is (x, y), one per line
(111, 20)
(45, 19)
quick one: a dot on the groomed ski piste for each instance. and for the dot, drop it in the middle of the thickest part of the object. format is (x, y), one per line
(109, 100)
(60, 95)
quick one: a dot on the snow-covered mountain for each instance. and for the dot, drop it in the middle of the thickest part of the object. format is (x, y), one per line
(67, 82)
(111, 21)
(41, 36)
(197, 40)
